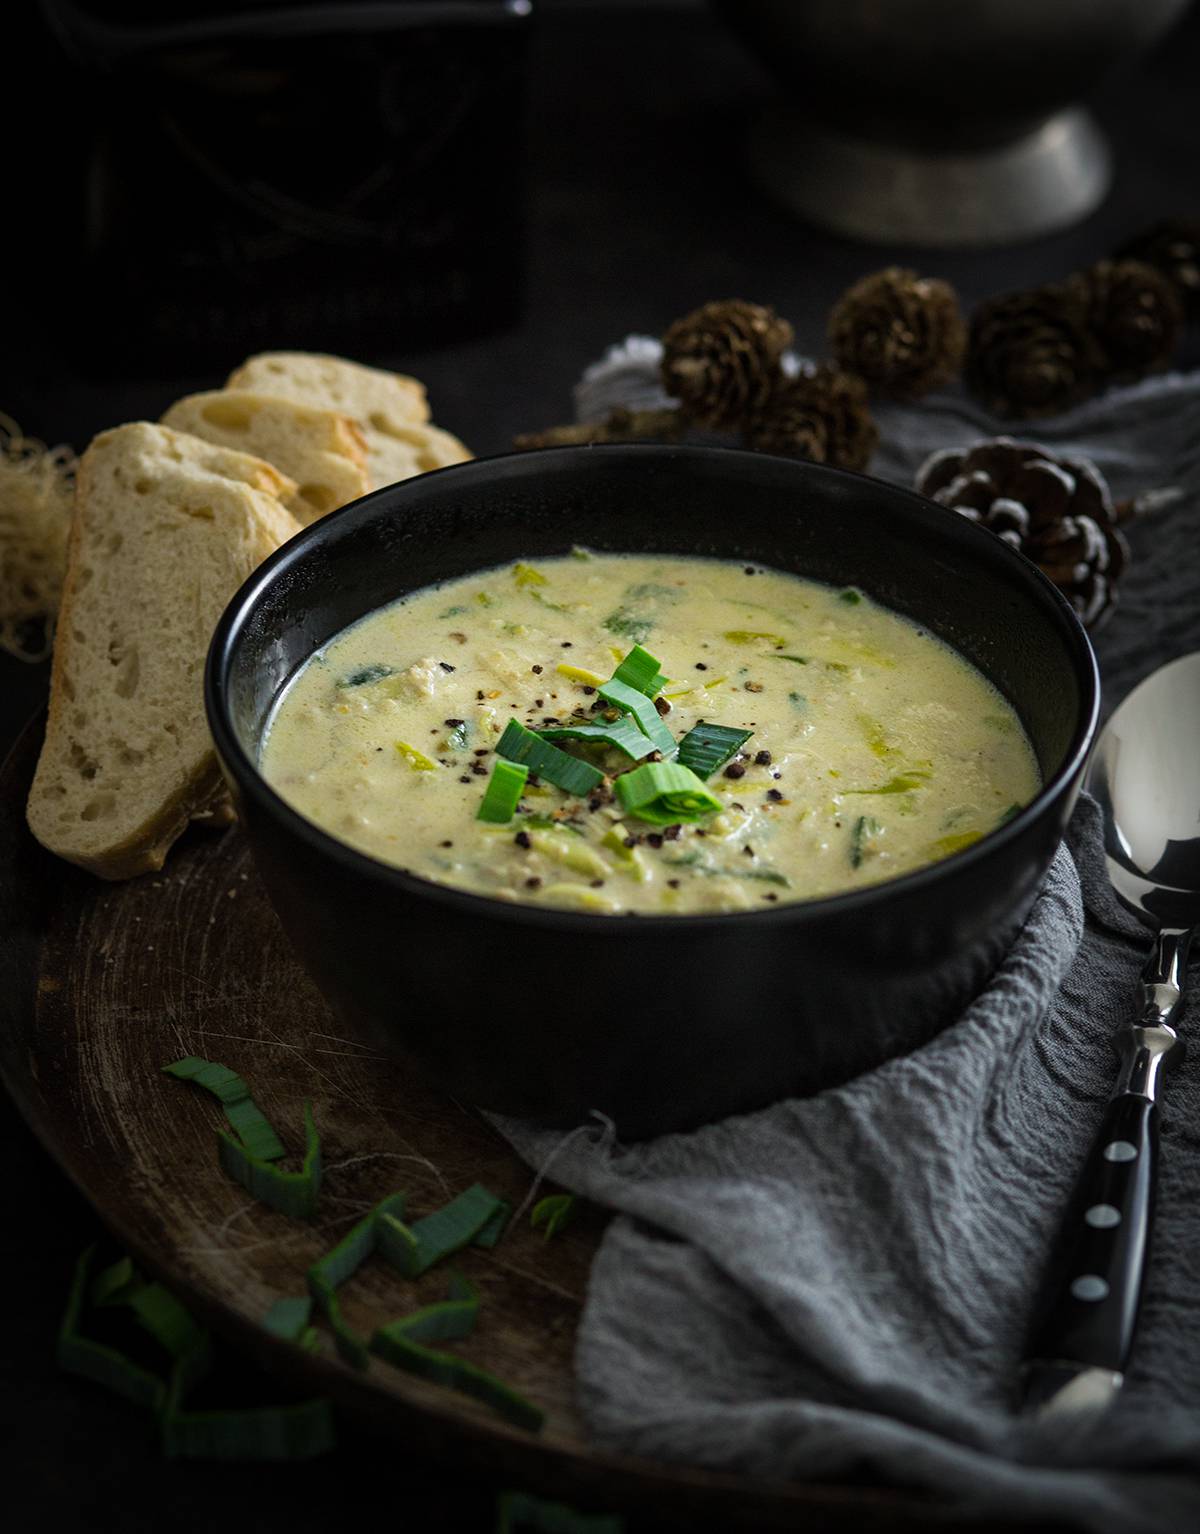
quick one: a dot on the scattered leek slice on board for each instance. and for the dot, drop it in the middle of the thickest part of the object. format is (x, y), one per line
(664, 793)
(647, 716)
(448, 1320)
(243, 1113)
(395, 1347)
(517, 744)
(555, 1213)
(517, 1510)
(341, 1263)
(707, 747)
(292, 1193)
(97, 1361)
(641, 671)
(288, 1318)
(489, 1236)
(414, 1249)
(245, 1433)
(111, 1286)
(622, 733)
(503, 792)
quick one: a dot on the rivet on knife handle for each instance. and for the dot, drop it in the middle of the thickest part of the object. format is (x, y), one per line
(1085, 1337)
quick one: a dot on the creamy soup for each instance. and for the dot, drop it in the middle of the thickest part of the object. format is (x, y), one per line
(872, 747)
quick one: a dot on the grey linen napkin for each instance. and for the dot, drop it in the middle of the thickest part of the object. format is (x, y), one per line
(840, 1286)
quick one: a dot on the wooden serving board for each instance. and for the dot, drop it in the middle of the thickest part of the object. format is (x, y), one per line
(101, 985)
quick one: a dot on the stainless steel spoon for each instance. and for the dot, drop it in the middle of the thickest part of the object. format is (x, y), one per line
(1145, 773)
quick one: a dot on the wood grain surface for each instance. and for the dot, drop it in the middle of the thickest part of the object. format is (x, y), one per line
(101, 985)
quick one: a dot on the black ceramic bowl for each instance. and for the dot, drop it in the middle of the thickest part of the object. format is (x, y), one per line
(661, 1022)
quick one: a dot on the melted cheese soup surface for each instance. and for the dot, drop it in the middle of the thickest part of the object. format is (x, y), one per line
(875, 748)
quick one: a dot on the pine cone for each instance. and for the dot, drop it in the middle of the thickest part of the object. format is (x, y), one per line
(904, 334)
(1133, 313)
(722, 361)
(1055, 511)
(1030, 353)
(1173, 246)
(821, 415)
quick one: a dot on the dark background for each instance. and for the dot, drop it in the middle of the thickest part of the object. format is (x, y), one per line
(629, 150)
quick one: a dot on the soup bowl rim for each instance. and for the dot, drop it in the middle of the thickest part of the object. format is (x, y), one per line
(250, 781)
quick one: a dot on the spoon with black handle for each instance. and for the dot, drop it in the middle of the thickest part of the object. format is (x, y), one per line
(1145, 773)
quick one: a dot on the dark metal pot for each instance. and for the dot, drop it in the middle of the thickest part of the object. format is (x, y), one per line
(660, 1022)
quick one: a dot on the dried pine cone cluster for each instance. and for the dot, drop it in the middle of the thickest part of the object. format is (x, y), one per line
(902, 333)
(1055, 511)
(724, 364)
(1037, 352)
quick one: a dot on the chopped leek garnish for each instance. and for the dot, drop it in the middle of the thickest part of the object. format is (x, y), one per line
(851, 595)
(396, 1348)
(516, 1510)
(636, 703)
(369, 674)
(665, 793)
(623, 734)
(555, 1213)
(526, 575)
(288, 1318)
(641, 671)
(417, 760)
(503, 792)
(862, 839)
(628, 625)
(292, 1193)
(567, 772)
(800, 660)
(706, 747)
(97, 1361)
(413, 1249)
(243, 1113)
(580, 674)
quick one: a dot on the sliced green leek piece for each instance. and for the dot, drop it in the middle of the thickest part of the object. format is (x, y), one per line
(622, 733)
(288, 1318)
(526, 575)
(449, 1320)
(491, 1233)
(553, 1214)
(339, 1264)
(415, 1248)
(417, 760)
(517, 744)
(517, 1510)
(902, 783)
(571, 851)
(243, 1113)
(503, 793)
(275, 1433)
(395, 1347)
(707, 747)
(647, 716)
(641, 671)
(862, 839)
(97, 1361)
(664, 793)
(292, 1193)
(580, 674)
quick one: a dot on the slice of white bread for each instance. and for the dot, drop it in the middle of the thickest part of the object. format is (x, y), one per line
(322, 450)
(166, 527)
(390, 408)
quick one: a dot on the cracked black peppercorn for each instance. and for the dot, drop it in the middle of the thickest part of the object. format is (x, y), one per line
(762, 758)
(734, 770)
(522, 839)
